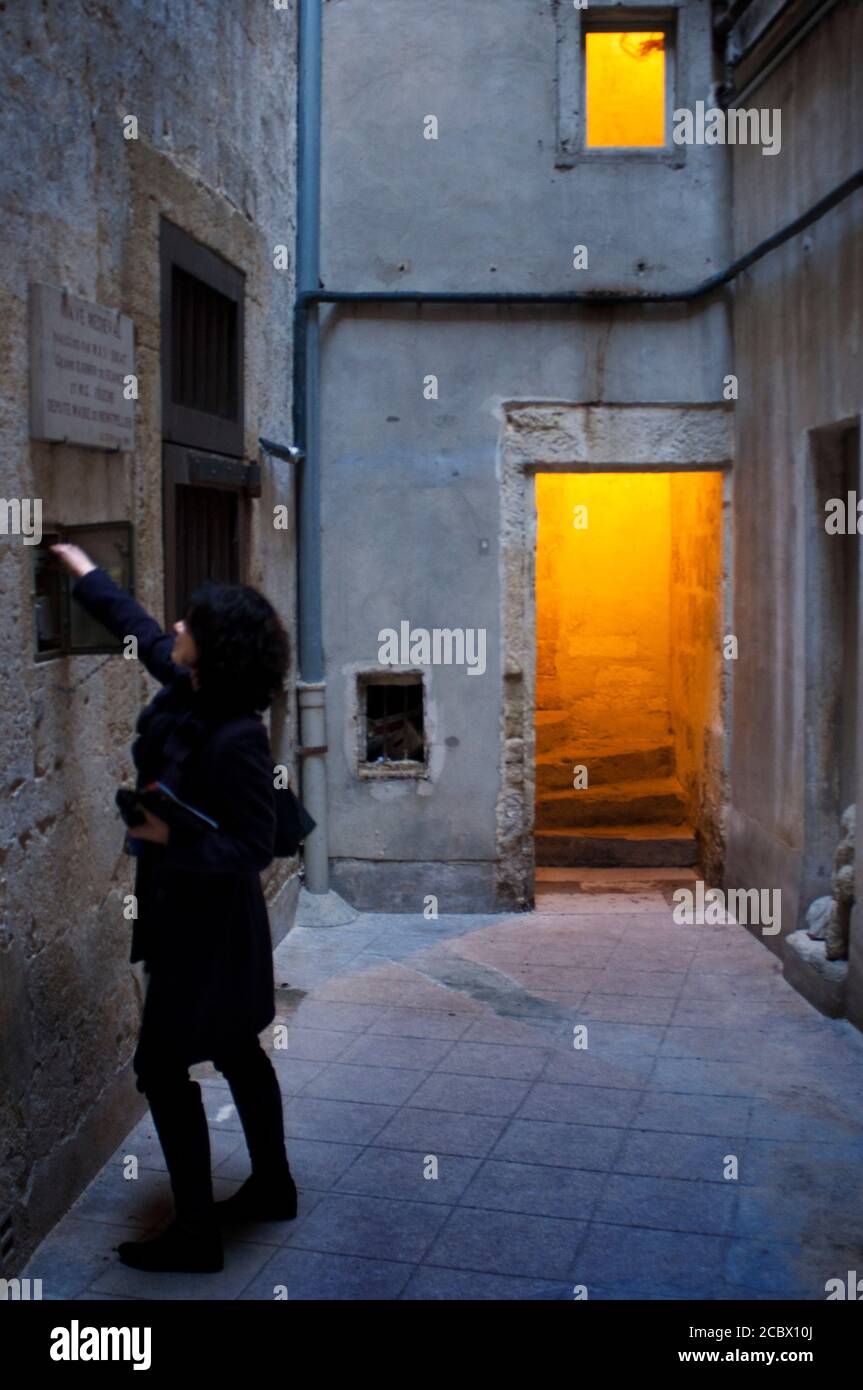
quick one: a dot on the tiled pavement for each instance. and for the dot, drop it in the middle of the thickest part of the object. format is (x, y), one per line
(414, 1044)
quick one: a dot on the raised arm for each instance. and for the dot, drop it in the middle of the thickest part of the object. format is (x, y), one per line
(104, 600)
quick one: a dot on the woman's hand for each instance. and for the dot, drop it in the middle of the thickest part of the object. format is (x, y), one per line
(155, 830)
(74, 559)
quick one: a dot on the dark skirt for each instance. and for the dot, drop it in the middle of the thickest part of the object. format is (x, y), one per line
(210, 984)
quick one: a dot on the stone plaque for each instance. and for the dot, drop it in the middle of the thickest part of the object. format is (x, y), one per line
(80, 357)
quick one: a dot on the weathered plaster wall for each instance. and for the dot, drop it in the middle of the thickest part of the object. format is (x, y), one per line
(412, 520)
(213, 93)
(490, 204)
(797, 352)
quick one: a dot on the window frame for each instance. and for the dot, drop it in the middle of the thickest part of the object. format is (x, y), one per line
(76, 534)
(190, 467)
(402, 769)
(181, 424)
(573, 28)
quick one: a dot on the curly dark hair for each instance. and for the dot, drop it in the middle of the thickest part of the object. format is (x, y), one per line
(243, 648)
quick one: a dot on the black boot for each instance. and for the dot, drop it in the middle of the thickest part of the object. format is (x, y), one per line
(260, 1199)
(176, 1249)
(270, 1194)
(192, 1243)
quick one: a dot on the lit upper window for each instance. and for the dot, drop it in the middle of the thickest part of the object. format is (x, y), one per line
(625, 79)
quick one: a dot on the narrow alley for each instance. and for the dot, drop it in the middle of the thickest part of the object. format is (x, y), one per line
(431, 614)
(450, 1141)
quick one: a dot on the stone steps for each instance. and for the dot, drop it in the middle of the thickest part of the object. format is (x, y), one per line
(554, 771)
(624, 846)
(657, 800)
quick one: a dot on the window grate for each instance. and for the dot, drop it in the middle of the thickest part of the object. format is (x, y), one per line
(207, 519)
(394, 723)
(203, 347)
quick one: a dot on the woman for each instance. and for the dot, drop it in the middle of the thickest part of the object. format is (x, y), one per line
(202, 928)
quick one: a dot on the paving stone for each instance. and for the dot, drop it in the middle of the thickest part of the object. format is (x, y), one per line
(294, 1073)
(377, 1227)
(652, 984)
(458, 1285)
(494, 1059)
(510, 1031)
(76, 1252)
(315, 1044)
(243, 1260)
(774, 1271)
(442, 1131)
(577, 1066)
(796, 1111)
(362, 988)
(379, 1085)
(310, 1274)
(507, 1243)
(143, 1144)
(692, 1156)
(805, 1165)
(693, 1114)
(382, 1172)
(315, 1163)
(561, 1145)
(711, 1044)
(140, 1202)
(479, 1095)
(534, 1187)
(609, 1039)
(668, 1204)
(650, 1264)
(351, 1122)
(380, 1050)
(626, 1008)
(586, 1105)
(766, 1213)
(421, 1023)
(691, 1075)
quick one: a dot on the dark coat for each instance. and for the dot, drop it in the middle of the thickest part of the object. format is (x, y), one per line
(202, 926)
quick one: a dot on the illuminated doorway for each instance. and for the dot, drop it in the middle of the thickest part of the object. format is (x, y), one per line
(627, 711)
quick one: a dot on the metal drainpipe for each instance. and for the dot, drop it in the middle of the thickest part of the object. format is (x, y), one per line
(307, 300)
(311, 687)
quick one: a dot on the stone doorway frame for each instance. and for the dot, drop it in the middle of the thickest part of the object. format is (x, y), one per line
(561, 437)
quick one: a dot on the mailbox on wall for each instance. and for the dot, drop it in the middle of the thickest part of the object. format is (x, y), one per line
(62, 627)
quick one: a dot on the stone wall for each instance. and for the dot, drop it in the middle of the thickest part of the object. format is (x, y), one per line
(213, 92)
(697, 672)
(797, 356)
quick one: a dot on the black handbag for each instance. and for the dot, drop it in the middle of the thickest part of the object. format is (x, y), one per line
(293, 823)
